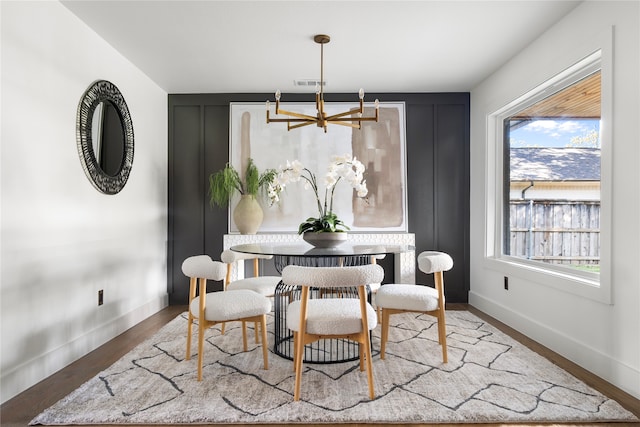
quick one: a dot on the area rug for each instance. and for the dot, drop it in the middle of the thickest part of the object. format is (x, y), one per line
(490, 378)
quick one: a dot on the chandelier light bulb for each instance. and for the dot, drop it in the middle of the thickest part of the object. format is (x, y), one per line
(361, 93)
(278, 93)
(268, 105)
(377, 103)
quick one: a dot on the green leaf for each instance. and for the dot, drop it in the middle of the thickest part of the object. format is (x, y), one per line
(326, 224)
(226, 182)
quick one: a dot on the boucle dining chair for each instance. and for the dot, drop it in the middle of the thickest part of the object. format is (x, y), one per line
(219, 307)
(373, 287)
(404, 298)
(313, 319)
(264, 285)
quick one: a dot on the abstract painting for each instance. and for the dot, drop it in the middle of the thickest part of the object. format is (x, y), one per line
(380, 146)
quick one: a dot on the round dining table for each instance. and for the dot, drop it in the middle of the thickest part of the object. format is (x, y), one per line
(303, 254)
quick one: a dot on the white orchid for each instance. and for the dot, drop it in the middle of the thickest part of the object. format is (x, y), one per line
(341, 167)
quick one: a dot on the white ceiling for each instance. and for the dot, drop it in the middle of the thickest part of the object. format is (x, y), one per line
(259, 46)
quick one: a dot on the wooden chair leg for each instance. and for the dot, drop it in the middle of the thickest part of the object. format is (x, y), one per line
(295, 350)
(385, 333)
(201, 323)
(369, 363)
(442, 330)
(442, 335)
(265, 350)
(298, 367)
(189, 334)
(256, 267)
(192, 295)
(244, 335)
(200, 349)
(304, 298)
(365, 339)
(227, 280)
(256, 332)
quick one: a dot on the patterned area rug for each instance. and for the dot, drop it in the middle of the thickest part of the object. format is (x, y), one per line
(490, 378)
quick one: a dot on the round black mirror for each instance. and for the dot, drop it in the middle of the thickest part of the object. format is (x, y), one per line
(105, 137)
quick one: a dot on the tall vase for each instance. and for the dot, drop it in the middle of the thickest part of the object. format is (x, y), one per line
(248, 215)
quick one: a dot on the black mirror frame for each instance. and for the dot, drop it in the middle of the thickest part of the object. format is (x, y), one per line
(100, 91)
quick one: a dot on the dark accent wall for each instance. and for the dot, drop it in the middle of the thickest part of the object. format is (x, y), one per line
(437, 137)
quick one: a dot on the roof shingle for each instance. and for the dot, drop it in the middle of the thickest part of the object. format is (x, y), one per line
(555, 164)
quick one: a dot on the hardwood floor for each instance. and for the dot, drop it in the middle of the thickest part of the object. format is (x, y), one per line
(24, 407)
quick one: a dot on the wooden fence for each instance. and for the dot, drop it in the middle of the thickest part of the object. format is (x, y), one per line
(557, 232)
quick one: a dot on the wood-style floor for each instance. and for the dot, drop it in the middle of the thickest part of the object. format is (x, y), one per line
(24, 407)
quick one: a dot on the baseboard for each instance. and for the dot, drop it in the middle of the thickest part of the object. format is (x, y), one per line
(37, 368)
(622, 376)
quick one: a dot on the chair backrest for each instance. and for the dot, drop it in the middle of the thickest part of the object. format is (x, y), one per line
(230, 256)
(203, 267)
(332, 277)
(433, 262)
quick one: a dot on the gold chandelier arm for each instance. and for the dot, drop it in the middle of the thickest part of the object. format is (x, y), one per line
(351, 125)
(346, 113)
(341, 116)
(291, 120)
(299, 125)
(292, 114)
(354, 119)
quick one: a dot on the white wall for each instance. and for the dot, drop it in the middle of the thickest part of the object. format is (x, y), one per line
(61, 240)
(603, 338)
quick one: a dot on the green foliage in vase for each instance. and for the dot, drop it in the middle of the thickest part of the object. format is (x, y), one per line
(227, 181)
(329, 223)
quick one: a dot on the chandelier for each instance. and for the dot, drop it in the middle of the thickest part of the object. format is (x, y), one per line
(352, 118)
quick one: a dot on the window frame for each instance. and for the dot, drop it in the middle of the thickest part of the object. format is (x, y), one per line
(596, 286)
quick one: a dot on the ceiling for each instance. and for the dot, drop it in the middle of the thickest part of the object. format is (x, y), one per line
(580, 100)
(260, 46)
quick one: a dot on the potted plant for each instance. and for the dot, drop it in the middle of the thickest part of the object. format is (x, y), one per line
(326, 229)
(225, 183)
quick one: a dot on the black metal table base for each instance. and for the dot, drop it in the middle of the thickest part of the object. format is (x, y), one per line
(322, 351)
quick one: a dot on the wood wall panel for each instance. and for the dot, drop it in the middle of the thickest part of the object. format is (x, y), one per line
(437, 136)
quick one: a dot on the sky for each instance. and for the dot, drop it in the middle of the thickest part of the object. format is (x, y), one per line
(553, 133)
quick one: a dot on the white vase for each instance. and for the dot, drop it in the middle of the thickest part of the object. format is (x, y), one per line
(248, 215)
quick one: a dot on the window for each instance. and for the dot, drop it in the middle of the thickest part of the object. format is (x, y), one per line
(552, 177)
(549, 219)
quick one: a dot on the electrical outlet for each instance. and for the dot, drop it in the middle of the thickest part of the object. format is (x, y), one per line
(100, 297)
(506, 283)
